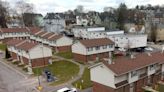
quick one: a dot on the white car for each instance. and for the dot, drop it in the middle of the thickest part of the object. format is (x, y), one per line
(149, 49)
(122, 49)
(67, 90)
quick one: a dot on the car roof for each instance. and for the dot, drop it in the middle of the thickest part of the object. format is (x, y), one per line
(63, 89)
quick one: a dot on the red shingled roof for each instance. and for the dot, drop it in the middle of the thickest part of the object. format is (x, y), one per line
(48, 35)
(34, 30)
(96, 42)
(55, 37)
(41, 33)
(26, 46)
(125, 65)
(14, 42)
(11, 30)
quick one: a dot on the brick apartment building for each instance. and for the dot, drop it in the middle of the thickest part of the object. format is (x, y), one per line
(59, 43)
(28, 53)
(8, 33)
(92, 49)
(128, 74)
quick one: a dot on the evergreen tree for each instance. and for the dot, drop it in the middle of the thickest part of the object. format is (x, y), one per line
(121, 15)
(7, 54)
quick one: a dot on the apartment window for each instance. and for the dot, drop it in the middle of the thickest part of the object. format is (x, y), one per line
(97, 48)
(152, 67)
(110, 46)
(104, 47)
(90, 49)
(133, 73)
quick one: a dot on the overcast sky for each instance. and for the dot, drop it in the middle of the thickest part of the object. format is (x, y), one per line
(43, 6)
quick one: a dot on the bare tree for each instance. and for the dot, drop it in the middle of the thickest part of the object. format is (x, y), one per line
(3, 13)
(23, 7)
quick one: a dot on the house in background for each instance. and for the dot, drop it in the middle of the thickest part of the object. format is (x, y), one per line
(129, 41)
(92, 49)
(54, 23)
(82, 31)
(128, 74)
(30, 54)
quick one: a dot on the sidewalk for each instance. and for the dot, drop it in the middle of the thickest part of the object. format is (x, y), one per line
(13, 67)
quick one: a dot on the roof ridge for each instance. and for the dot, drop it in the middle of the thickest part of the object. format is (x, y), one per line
(23, 41)
(51, 36)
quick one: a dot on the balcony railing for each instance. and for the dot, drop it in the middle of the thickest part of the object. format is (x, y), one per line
(121, 83)
(143, 75)
(158, 71)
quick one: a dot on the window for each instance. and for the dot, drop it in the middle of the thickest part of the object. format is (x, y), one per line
(133, 73)
(104, 47)
(152, 67)
(110, 46)
(97, 48)
(90, 49)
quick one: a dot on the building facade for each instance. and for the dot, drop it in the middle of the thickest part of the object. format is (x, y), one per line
(92, 50)
(128, 74)
(30, 54)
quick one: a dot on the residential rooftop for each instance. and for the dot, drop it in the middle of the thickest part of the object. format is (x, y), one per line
(96, 42)
(126, 64)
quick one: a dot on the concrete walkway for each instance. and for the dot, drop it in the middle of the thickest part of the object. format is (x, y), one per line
(81, 68)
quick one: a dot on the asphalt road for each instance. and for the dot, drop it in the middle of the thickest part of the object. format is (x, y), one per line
(12, 81)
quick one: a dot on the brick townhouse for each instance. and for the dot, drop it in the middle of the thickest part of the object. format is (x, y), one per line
(29, 53)
(128, 74)
(92, 49)
(8, 33)
(59, 43)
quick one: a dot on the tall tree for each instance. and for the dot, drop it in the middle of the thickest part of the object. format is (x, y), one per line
(121, 15)
(3, 14)
(153, 32)
(23, 7)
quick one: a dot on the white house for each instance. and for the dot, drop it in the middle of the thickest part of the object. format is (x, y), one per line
(82, 31)
(129, 40)
(92, 49)
(54, 23)
(128, 74)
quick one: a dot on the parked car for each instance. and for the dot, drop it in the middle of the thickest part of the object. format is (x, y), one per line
(49, 75)
(122, 49)
(67, 90)
(149, 49)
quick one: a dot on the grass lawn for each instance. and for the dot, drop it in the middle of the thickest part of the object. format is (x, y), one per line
(2, 46)
(86, 80)
(67, 55)
(63, 70)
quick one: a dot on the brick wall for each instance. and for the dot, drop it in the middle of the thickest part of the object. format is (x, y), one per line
(13, 55)
(40, 62)
(64, 48)
(101, 88)
(79, 58)
(37, 62)
(83, 58)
